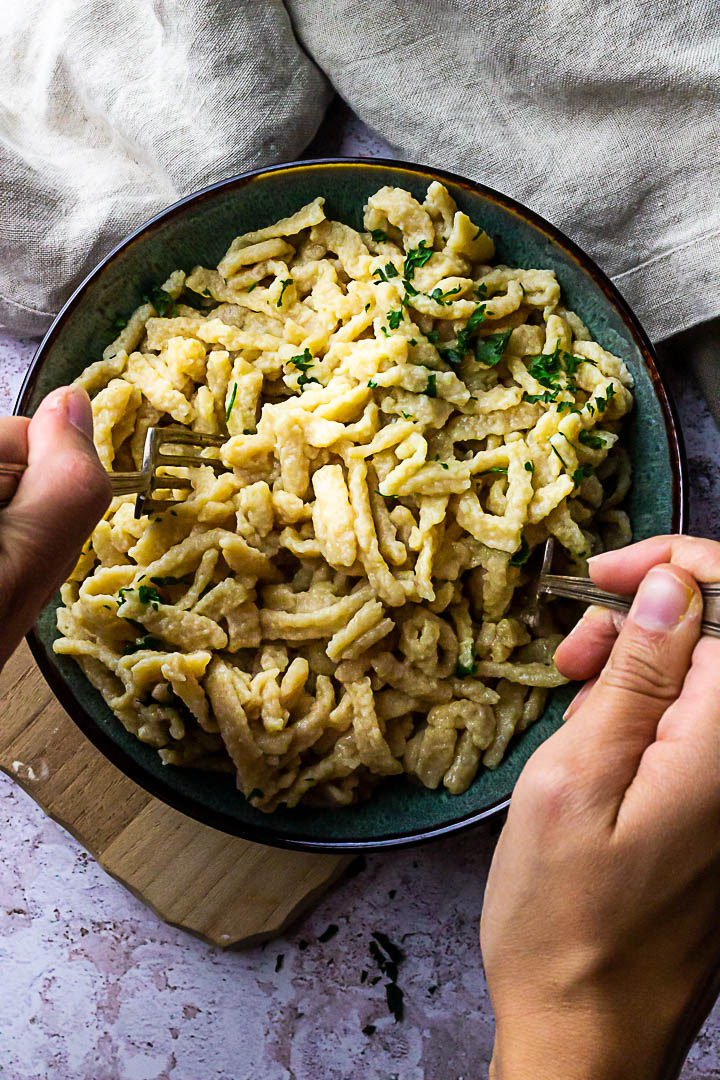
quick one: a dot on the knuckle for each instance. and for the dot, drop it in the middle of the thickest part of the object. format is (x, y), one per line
(547, 782)
(641, 668)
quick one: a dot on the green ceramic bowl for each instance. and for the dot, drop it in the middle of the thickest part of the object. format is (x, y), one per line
(198, 230)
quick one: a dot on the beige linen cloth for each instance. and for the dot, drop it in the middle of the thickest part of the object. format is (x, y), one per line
(603, 117)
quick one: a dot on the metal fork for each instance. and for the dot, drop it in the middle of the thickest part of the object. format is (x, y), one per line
(582, 589)
(148, 481)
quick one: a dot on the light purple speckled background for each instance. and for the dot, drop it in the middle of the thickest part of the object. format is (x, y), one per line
(94, 987)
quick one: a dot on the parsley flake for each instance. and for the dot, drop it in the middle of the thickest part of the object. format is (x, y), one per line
(580, 474)
(146, 642)
(593, 441)
(384, 274)
(393, 318)
(149, 595)
(304, 379)
(415, 258)
(431, 388)
(489, 350)
(530, 466)
(522, 554)
(440, 297)
(232, 402)
(284, 284)
(378, 235)
(303, 360)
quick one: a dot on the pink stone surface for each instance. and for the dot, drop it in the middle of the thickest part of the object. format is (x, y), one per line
(95, 987)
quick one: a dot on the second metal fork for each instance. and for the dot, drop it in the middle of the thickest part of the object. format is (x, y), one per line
(583, 589)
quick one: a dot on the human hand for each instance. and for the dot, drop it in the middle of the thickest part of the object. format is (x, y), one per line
(600, 930)
(62, 494)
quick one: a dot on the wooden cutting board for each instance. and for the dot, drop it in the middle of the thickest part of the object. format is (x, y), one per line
(223, 889)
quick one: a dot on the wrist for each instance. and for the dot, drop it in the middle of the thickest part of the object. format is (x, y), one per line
(564, 1044)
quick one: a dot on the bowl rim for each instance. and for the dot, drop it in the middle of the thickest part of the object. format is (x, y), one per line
(161, 789)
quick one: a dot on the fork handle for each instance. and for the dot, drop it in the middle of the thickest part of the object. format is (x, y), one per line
(582, 589)
(122, 483)
(128, 483)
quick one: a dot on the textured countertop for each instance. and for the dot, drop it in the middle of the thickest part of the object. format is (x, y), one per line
(95, 987)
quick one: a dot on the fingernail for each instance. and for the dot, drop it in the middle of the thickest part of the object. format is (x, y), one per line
(79, 411)
(661, 601)
(578, 699)
(597, 558)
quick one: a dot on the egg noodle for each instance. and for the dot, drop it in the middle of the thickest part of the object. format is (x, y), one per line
(346, 600)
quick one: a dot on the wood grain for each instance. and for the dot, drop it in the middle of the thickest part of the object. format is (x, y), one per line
(225, 890)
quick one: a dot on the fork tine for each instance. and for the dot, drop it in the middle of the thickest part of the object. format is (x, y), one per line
(196, 438)
(189, 461)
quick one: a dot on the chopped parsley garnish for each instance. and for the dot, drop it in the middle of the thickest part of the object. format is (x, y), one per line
(328, 933)
(146, 642)
(253, 286)
(372, 384)
(304, 379)
(572, 363)
(378, 235)
(385, 331)
(206, 292)
(390, 271)
(546, 367)
(167, 580)
(580, 474)
(522, 554)
(495, 469)
(602, 402)
(530, 466)
(431, 388)
(379, 492)
(564, 406)
(433, 337)
(441, 297)
(407, 415)
(367, 306)
(547, 395)
(284, 283)
(121, 593)
(149, 595)
(303, 360)
(481, 291)
(465, 337)
(593, 441)
(466, 663)
(489, 350)
(232, 402)
(415, 258)
(119, 324)
(162, 302)
(394, 318)
(557, 454)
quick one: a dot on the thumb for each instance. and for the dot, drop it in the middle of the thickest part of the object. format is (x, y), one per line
(617, 719)
(61, 496)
